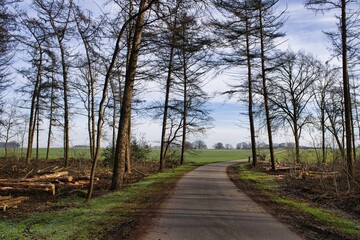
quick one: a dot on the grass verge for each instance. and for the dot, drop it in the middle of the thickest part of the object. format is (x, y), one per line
(268, 186)
(94, 220)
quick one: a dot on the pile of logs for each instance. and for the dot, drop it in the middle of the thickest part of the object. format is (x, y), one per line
(45, 182)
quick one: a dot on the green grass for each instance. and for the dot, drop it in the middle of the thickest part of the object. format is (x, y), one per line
(54, 153)
(94, 219)
(203, 156)
(215, 155)
(268, 185)
(307, 156)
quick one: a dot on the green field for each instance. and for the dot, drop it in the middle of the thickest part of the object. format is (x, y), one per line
(202, 156)
(308, 156)
(195, 156)
(54, 153)
(199, 156)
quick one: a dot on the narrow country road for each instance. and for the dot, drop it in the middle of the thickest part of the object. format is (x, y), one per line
(207, 205)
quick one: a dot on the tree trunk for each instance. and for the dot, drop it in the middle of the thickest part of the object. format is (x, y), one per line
(66, 106)
(323, 147)
(297, 143)
(52, 96)
(265, 92)
(185, 104)
(128, 149)
(125, 113)
(346, 89)
(37, 130)
(34, 99)
(166, 105)
(250, 107)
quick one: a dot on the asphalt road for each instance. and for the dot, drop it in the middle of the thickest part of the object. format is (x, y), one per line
(207, 205)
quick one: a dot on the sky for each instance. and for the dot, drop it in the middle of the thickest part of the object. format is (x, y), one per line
(303, 32)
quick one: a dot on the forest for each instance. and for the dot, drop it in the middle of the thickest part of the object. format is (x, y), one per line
(64, 59)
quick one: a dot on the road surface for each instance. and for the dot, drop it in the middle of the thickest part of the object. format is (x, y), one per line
(207, 205)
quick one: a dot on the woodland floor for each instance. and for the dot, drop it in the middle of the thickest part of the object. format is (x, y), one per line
(43, 201)
(318, 192)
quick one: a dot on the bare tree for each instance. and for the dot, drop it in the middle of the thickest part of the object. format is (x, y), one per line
(322, 88)
(343, 7)
(58, 14)
(7, 45)
(34, 41)
(237, 32)
(295, 76)
(269, 32)
(8, 125)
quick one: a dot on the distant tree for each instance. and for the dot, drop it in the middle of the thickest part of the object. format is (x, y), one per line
(228, 146)
(7, 45)
(243, 145)
(295, 77)
(199, 144)
(219, 145)
(9, 126)
(334, 109)
(321, 89)
(345, 42)
(188, 145)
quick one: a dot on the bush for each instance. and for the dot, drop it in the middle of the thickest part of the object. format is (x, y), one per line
(140, 151)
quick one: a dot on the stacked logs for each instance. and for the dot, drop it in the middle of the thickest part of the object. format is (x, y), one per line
(45, 182)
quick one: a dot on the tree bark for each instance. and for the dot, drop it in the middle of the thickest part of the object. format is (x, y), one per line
(185, 105)
(125, 113)
(346, 89)
(250, 107)
(265, 92)
(166, 105)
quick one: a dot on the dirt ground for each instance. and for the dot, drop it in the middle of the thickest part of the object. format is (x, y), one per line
(318, 192)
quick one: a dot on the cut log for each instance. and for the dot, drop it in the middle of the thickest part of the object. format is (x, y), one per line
(83, 182)
(65, 179)
(46, 177)
(21, 186)
(3, 198)
(53, 175)
(11, 202)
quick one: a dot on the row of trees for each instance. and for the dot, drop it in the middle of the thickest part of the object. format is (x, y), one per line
(99, 64)
(292, 89)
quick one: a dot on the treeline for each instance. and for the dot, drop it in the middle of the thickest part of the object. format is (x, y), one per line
(65, 59)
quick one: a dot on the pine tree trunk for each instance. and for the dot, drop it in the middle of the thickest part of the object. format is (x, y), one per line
(166, 105)
(346, 89)
(265, 92)
(125, 113)
(250, 107)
